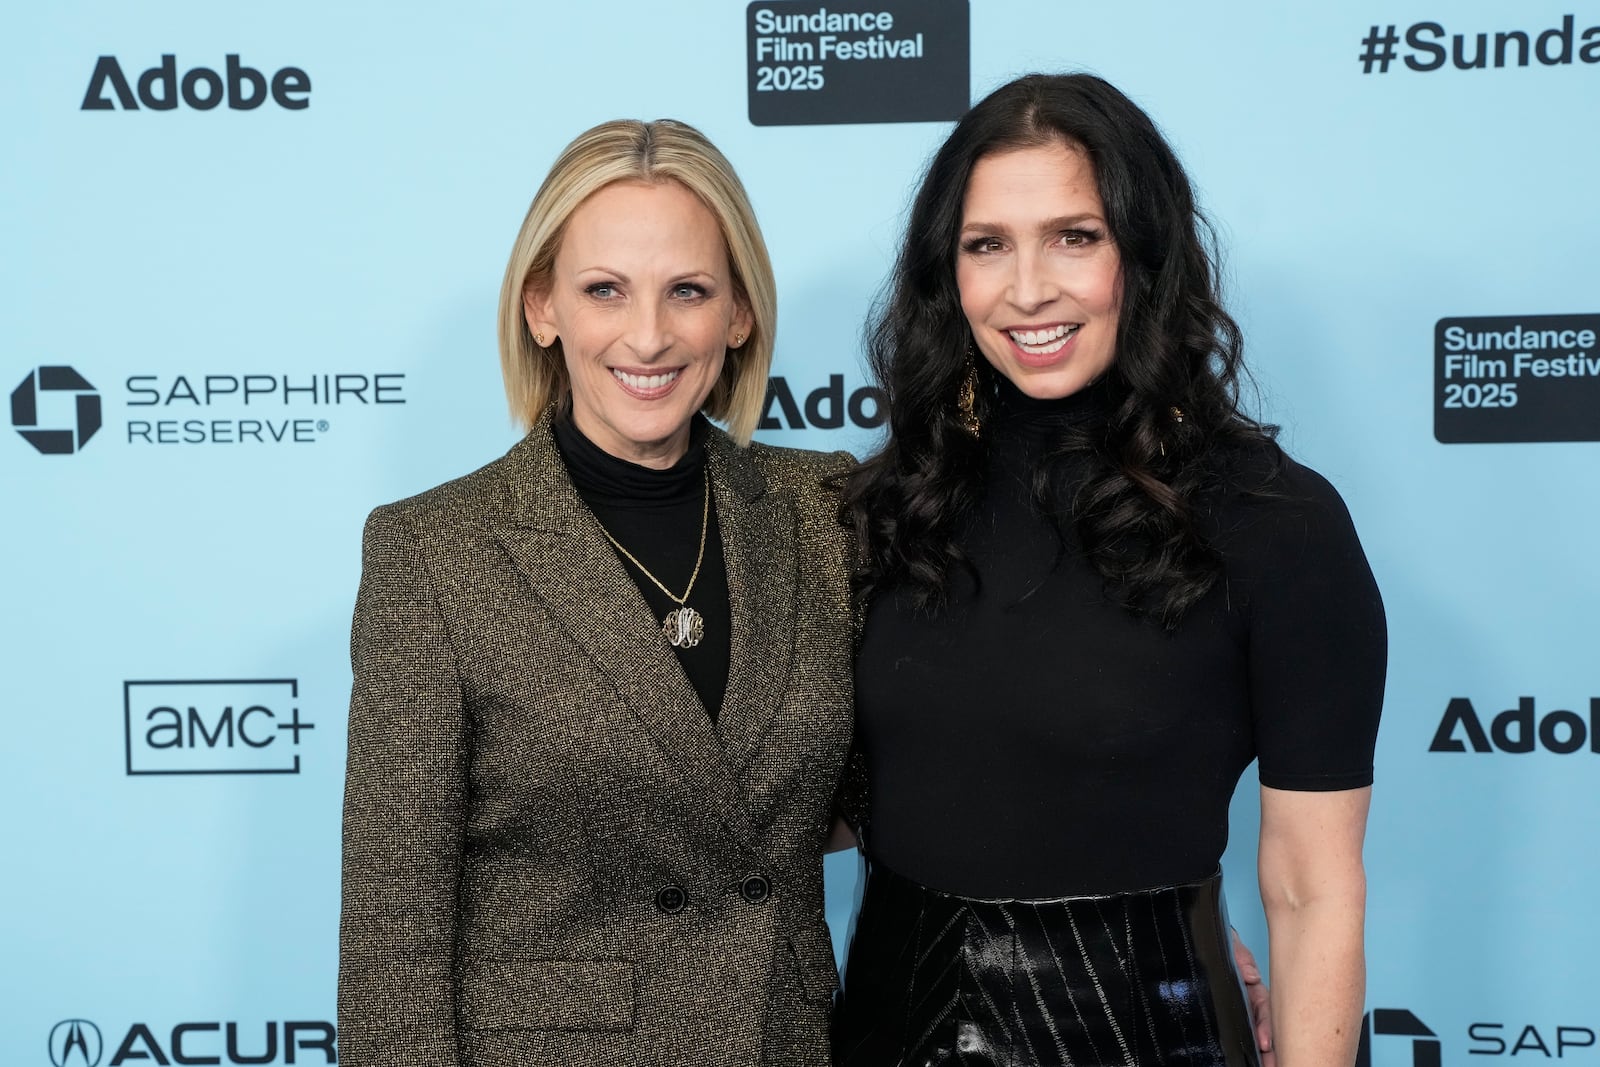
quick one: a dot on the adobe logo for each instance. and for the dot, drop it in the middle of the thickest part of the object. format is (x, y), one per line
(161, 89)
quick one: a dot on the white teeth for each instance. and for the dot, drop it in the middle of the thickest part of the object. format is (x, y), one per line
(645, 382)
(1043, 342)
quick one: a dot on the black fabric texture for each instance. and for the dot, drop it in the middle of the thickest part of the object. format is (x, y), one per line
(1135, 978)
(1036, 739)
(656, 515)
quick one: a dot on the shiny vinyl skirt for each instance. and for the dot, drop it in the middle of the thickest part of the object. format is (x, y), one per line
(1134, 978)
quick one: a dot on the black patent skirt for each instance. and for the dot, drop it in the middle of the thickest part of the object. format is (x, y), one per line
(1133, 978)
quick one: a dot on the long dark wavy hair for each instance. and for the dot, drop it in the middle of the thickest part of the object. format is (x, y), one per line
(1177, 351)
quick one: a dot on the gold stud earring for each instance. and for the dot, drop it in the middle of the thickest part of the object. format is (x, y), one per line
(738, 339)
(538, 339)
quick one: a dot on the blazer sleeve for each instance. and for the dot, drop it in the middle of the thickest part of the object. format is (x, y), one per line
(404, 814)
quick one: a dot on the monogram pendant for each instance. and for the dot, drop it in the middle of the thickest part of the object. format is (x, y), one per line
(683, 627)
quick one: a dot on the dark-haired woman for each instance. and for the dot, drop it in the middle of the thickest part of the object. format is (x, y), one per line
(1098, 591)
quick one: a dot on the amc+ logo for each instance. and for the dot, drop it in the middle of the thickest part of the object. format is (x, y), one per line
(55, 440)
(75, 1043)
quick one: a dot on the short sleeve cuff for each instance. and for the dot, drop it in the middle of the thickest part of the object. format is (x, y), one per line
(1317, 783)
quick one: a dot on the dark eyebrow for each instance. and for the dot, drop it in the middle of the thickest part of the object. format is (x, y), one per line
(1067, 222)
(1060, 222)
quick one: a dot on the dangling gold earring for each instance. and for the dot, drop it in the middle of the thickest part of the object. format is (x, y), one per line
(967, 397)
(1177, 416)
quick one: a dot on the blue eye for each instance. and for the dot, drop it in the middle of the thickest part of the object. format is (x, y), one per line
(601, 290)
(688, 291)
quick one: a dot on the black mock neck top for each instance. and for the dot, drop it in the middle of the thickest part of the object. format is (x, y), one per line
(1035, 739)
(656, 515)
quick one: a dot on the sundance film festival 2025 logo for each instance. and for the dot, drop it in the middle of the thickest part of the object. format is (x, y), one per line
(70, 405)
(57, 410)
(1519, 730)
(814, 63)
(76, 1043)
(162, 88)
(213, 726)
(1512, 378)
(1431, 47)
(1395, 1037)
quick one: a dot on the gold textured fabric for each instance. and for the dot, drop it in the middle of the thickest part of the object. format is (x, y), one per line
(529, 767)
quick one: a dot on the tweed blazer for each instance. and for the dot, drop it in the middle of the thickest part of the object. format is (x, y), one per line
(552, 854)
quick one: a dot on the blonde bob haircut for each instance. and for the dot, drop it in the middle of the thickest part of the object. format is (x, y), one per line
(630, 150)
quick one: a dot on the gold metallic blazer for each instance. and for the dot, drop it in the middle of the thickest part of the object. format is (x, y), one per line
(552, 855)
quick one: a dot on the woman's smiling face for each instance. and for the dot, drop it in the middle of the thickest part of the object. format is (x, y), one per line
(1038, 272)
(643, 301)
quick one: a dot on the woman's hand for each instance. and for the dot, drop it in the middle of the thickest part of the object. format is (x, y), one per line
(1260, 998)
(1313, 888)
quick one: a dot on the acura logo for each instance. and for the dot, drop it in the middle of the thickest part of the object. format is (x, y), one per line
(75, 1043)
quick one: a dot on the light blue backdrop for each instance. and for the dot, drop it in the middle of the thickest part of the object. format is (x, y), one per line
(366, 235)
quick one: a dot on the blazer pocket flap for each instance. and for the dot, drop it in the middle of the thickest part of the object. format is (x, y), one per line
(813, 953)
(537, 994)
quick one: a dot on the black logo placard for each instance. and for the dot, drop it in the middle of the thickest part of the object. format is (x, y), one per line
(812, 63)
(1516, 378)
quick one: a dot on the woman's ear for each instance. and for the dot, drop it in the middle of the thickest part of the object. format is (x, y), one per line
(538, 312)
(740, 326)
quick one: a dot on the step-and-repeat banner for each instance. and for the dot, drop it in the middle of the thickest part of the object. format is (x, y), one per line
(251, 257)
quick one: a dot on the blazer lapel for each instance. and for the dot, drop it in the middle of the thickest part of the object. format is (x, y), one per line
(558, 546)
(758, 537)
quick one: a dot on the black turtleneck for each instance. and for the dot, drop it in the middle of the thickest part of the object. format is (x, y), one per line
(656, 515)
(1035, 739)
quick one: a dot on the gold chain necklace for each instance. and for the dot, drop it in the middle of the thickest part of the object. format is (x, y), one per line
(683, 627)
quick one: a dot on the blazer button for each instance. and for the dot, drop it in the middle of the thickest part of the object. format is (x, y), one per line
(670, 899)
(755, 889)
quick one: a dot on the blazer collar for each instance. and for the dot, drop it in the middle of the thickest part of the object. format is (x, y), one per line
(543, 497)
(564, 557)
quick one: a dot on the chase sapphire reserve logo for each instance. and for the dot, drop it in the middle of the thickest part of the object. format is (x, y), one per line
(813, 63)
(1396, 1037)
(56, 410)
(1398, 1022)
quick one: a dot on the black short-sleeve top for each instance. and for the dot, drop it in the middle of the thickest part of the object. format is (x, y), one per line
(1036, 739)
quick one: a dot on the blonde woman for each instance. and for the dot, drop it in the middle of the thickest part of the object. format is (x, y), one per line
(602, 686)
